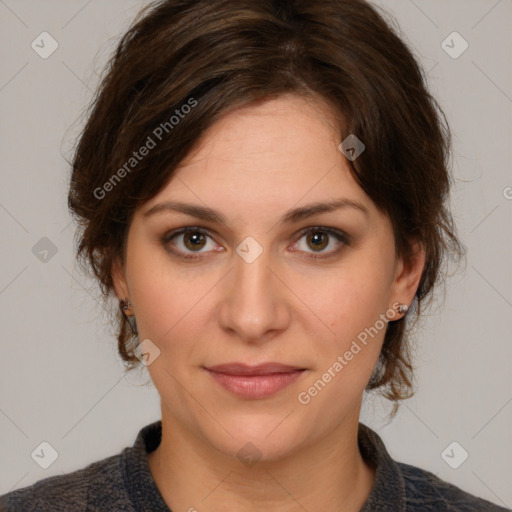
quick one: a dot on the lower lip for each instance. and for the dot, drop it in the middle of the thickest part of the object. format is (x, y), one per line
(256, 386)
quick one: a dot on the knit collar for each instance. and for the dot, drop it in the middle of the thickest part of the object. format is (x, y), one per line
(387, 494)
(139, 481)
(388, 491)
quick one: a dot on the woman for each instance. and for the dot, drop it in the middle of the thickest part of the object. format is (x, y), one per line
(262, 185)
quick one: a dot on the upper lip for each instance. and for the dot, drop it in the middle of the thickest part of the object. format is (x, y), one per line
(260, 369)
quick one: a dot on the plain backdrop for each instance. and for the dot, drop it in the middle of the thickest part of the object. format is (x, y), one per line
(61, 380)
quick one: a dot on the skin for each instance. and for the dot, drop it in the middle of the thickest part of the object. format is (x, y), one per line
(253, 165)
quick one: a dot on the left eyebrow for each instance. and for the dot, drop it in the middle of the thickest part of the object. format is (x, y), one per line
(294, 215)
(304, 212)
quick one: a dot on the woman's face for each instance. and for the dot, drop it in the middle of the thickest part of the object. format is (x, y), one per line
(257, 289)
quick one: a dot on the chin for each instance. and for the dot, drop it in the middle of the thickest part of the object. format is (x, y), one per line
(262, 437)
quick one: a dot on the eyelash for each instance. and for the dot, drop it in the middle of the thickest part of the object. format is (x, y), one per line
(339, 235)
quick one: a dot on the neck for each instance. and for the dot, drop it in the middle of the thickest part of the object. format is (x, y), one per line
(327, 475)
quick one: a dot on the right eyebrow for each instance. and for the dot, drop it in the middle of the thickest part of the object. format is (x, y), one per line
(201, 212)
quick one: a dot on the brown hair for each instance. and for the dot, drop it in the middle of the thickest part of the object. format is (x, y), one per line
(215, 55)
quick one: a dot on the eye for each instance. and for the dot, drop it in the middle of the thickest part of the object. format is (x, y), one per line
(191, 242)
(318, 238)
(188, 239)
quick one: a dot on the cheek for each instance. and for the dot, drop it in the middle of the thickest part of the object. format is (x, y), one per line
(172, 304)
(349, 300)
(353, 303)
(346, 356)
(160, 299)
(164, 308)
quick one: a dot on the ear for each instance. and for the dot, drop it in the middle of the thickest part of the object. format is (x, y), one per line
(119, 280)
(408, 276)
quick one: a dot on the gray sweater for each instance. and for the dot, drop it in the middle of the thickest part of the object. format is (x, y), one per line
(124, 483)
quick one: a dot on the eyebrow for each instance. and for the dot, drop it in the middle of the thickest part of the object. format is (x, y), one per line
(294, 215)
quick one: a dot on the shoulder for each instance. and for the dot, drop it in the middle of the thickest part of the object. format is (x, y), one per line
(71, 492)
(402, 487)
(425, 492)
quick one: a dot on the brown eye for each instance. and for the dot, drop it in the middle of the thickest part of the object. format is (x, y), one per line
(318, 240)
(189, 242)
(194, 240)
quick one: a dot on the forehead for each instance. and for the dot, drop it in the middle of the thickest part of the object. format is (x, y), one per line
(286, 128)
(270, 157)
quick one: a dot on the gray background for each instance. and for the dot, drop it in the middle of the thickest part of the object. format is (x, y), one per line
(60, 377)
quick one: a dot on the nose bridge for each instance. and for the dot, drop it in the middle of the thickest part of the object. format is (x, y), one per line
(254, 303)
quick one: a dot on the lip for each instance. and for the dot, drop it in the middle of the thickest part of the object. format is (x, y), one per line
(259, 369)
(255, 382)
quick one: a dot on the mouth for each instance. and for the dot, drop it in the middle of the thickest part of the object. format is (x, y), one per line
(254, 382)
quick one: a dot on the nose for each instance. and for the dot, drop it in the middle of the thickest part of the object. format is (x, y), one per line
(255, 302)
